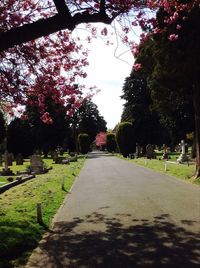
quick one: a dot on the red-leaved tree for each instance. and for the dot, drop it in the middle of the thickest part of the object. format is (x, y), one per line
(100, 140)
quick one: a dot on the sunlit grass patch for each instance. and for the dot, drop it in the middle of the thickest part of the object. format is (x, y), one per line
(19, 230)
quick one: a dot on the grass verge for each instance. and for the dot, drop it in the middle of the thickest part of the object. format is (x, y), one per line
(19, 230)
(181, 171)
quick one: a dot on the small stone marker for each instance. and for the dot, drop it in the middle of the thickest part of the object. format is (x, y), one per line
(165, 166)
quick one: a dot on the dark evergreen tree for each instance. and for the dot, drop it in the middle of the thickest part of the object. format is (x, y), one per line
(125, 138)
(170, 76)
(20, 139)
(84, 143)
(111, 144)
(137, 110)
(47, 137)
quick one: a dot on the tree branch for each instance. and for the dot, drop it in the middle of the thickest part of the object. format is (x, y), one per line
(102, 6)
(62, 7)
(45, 27)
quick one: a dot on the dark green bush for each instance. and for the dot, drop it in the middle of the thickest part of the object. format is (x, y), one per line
(125, 138)
(84, 143)
(111, 142)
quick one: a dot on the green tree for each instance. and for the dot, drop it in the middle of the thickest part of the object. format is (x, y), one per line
(111, 142)
(89, 120)
(181, 60)
(47, 137)
(20, 137)
(170, 91)
(171, 68)
(125, 138)
(2, 129)
(137, 109)
(84, 143)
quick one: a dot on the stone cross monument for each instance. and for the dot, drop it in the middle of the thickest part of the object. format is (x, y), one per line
(183, 157)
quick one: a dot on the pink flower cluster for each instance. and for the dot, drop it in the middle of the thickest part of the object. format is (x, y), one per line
(101, 139)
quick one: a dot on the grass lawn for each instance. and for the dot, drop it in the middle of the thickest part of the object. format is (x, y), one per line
(19, 230)
(182, 171)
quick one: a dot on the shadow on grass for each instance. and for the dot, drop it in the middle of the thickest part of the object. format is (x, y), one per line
(16, 238)
(65, 190)
(143, 243)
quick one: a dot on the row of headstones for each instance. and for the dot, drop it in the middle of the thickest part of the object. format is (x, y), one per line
(151, 154)
(36, 163)
(8, 159)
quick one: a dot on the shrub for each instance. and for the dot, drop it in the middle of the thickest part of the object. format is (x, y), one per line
(111, 142)
(84, 143)
(125, 138)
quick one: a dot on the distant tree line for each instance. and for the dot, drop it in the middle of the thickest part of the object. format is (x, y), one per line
(31, 134)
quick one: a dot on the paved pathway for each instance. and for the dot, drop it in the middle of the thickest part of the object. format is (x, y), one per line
(122, 215)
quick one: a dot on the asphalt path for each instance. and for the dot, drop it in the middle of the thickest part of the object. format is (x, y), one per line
(119, 214)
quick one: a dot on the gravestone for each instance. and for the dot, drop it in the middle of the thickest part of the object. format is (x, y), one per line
(54, 156)
(61, 151)
(19, 159)
(37, 164)
(73, 157)
(37, 152)
(165, 155)
(150, 154)
(7, 158)
(137, 151)
(183, 157)
(59, 159)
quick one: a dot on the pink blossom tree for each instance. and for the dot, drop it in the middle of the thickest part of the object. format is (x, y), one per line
(100, 140)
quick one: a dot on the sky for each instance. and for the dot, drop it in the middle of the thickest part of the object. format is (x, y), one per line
(107, 73)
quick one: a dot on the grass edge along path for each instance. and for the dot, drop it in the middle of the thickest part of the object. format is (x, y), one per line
(19, 230)
(180, 171)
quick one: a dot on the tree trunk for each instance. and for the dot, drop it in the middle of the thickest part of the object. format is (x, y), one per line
(75, 138)
(196, 103)
(193, 153)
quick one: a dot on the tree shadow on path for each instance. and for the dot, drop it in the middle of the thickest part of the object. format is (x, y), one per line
(143, 243)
